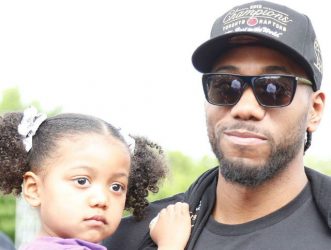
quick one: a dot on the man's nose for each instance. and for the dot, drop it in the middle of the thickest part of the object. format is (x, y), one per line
(248, 107)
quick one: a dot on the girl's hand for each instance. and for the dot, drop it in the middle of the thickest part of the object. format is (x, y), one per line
(171, 228)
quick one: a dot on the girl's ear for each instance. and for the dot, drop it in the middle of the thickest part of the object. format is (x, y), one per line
(316, 111)
(31, 188)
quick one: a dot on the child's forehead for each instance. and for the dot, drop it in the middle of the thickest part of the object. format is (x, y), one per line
(89, 137)
(90, 153)
(89, 149)
(91, 141)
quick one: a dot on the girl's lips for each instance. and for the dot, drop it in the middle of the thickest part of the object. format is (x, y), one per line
(244, 137)
(97, 218)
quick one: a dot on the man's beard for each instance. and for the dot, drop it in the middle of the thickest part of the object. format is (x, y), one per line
(254, 175)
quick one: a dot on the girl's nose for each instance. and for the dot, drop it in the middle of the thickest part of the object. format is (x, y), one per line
(98, 198)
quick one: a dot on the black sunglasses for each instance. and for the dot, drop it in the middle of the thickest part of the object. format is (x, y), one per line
(270, 91)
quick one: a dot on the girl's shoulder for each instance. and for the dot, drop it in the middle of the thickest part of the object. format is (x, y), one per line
(55, 243)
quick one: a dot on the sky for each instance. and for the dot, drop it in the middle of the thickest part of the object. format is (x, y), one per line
(129, 62)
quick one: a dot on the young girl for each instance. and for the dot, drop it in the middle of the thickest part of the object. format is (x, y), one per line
(80, 172)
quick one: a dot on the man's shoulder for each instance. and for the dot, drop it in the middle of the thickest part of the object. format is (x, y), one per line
(321, 189)
(319, 181)
(132, 232)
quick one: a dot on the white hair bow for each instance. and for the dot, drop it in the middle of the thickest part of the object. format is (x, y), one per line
(30, 123)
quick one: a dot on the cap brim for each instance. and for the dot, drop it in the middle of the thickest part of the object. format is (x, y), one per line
(205, 56)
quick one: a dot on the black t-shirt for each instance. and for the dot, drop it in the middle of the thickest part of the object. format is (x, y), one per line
(296, 226)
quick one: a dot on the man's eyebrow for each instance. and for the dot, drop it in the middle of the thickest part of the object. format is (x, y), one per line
(266, 69)
(225, 68)
(276, 69)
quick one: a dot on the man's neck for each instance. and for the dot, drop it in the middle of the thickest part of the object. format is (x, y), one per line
(236, 204)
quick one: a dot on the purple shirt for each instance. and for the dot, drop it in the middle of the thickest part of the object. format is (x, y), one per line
(55, 243)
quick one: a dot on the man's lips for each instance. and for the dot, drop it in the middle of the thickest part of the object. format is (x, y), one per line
(97, 218)
(244, 137)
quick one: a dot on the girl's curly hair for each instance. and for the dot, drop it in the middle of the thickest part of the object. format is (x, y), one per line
(147, 168)
(13, 156)
(147, 161)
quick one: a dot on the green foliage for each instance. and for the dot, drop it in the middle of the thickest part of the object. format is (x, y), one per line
(183, 171)
(7, 215)
(323, 166)
(11, 101)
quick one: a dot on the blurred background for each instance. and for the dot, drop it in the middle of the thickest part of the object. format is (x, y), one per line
(128, 62)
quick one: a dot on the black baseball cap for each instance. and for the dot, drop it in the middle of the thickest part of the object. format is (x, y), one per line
(267, 23)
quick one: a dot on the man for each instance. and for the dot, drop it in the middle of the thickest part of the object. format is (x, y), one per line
(262, 76)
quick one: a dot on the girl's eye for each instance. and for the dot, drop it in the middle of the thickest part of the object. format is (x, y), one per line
(82, 181)
(117, 187)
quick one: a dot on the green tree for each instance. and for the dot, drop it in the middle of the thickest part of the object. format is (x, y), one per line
(11, 101)
(183, 171)
(323, 166)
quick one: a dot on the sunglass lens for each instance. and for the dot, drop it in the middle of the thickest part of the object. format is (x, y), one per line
(223, 89)
(274, 91)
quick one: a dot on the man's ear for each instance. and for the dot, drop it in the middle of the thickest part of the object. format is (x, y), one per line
(31, 188)
(316, 110)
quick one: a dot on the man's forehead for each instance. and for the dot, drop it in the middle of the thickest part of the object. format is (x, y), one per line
(257, 57)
